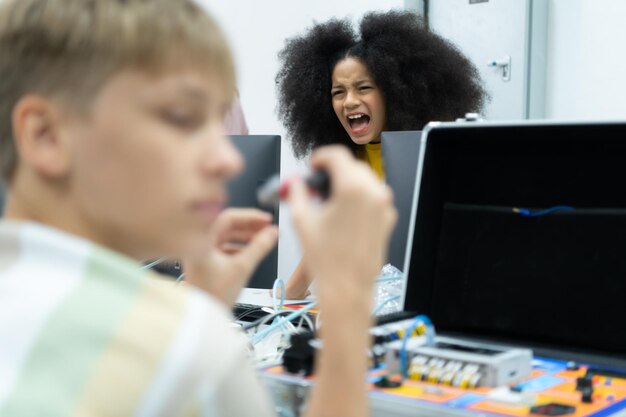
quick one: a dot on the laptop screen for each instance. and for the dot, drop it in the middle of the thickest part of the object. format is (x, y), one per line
(520, 234)
(261, 154)
(400, 152)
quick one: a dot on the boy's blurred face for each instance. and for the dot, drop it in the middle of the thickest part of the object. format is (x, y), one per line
(151, 161)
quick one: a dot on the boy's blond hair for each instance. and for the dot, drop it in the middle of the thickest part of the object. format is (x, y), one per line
(67, 49)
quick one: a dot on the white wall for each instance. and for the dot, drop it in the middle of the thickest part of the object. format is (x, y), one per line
(586, 65)
(585, 79)
(257, 31)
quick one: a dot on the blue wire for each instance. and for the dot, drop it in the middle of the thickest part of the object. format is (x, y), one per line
(393, 297)
(390, 278)
(280, 323)
(279, 305)
(281, 283)
(528, 213)
(430, 340)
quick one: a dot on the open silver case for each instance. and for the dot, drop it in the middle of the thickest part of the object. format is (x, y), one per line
(517, 233)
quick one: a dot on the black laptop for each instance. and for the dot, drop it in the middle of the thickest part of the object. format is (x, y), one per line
(518, 234)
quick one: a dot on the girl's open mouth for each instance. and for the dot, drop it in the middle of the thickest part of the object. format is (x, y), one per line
(358, 122)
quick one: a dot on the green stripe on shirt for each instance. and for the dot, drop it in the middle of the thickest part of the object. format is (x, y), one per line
(54, 374)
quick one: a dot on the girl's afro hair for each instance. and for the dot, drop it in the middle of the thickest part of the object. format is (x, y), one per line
(422, 76)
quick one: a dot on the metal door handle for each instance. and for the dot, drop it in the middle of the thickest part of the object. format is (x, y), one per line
(505, 64)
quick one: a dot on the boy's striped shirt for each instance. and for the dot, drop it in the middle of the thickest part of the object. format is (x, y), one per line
(85, 332)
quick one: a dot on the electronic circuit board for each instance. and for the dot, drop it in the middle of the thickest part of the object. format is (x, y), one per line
(553, 388)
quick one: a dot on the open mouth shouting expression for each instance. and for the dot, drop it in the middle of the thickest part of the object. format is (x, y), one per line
(357, 101)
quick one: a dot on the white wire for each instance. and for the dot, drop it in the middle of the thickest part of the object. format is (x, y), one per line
(283, 325)
(278, 321)
(292, 316)
(270, 317)
(309, 322)
(151, 264)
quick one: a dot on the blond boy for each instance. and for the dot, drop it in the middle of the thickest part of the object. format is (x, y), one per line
(112, 150)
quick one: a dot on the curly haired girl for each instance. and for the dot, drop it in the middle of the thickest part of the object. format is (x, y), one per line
(339, 86)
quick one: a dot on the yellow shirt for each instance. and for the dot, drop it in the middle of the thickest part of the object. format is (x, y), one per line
(371, 154)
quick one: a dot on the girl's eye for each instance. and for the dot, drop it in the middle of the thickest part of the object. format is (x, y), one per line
(336, 93)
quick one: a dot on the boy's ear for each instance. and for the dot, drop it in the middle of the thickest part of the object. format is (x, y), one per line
(39, 137)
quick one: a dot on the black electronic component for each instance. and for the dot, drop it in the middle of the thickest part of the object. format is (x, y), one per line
(610, 373)
(299, 358)
(553, 409)
(587, 395)
(381, 339)
(393, 317)
(584, 382)
(385, 382)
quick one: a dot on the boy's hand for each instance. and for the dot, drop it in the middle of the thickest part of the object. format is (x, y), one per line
(240, 239)
(345, 239)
